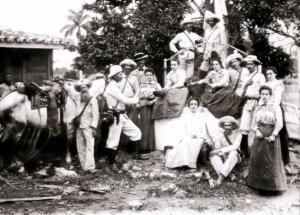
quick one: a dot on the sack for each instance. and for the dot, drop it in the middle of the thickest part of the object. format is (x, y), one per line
(76, 122)
(107, 117)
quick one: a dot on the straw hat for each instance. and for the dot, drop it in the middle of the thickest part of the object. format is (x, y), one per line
(252, 58)
(229, 119)
(80, 83)
(140, 56)
(231, 57)
(114, 69)
(128, 62)
(209, 15)
(186, 21)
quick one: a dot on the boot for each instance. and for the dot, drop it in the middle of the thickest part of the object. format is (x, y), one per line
(137, 154)
(111, 156)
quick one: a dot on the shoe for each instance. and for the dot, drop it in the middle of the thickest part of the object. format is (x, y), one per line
(91, 171)
(140, 157)
(166, 148)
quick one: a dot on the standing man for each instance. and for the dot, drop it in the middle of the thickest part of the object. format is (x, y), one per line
(186, 41)
(129, 86)
(8, 85)
(251, 91)
(88, 109)
(211, 42)
(116, 100)
(140, 58)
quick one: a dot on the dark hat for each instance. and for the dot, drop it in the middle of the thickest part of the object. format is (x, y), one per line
(140, 56)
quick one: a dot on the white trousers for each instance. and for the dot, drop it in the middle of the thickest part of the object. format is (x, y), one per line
(127, 127)
(245, 125)
(187, 66)
(85, 147)
(226, 167)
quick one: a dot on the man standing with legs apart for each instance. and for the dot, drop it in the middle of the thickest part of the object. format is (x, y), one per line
(116, 101)
(88, 112)
(186, 41)
(251, 92)
(227, 152)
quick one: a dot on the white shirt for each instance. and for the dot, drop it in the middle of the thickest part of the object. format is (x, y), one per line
(90, 116)
(185, 43)
(129, 85)
(114, 96)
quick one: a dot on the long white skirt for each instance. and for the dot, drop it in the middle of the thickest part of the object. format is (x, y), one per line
(184, 154)
(168, 132)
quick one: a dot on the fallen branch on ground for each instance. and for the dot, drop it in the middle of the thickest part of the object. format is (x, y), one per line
(6, 182)
(31, 199)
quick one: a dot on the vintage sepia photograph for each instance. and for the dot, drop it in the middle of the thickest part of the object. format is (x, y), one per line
(149, 107)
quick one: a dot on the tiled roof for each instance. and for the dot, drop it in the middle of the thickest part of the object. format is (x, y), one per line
(10, 38)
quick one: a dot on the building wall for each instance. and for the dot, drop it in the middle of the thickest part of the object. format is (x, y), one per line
(26, 64)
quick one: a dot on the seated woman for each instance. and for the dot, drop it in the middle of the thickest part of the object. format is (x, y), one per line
(176, 77)
(226, 154)
(186, 151)
(167, 109)
(146, 102)
(215, 80)
(266, 170)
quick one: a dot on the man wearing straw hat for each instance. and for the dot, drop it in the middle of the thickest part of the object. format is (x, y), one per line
(116, 100)
(85, 133)
(140, 58)
(227, 153)
(187, 42)
(212, 39)
(251, 92)
(237, 74)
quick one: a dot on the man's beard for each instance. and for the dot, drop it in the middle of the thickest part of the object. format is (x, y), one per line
(84, 97)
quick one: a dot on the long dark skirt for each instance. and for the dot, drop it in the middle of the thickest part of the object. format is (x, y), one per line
(223, 102)
(147, 128)
(266, 170)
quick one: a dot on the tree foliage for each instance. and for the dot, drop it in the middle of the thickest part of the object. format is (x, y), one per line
(124, 29)
(78, 22)
(119, 29)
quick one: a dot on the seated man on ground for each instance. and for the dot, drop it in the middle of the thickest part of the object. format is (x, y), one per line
(227, 153)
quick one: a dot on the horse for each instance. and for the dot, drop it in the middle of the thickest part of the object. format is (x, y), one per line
(16, 113)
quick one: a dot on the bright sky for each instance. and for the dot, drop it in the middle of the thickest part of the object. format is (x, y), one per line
(41, 17)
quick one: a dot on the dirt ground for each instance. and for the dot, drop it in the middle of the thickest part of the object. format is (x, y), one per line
(144, 187)
(147, 187)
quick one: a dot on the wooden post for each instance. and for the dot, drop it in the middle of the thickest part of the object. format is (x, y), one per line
(298, 67)
(165, 72)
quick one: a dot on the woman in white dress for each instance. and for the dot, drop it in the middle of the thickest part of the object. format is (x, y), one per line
(186, 151)
(277, 87)
(168, 127)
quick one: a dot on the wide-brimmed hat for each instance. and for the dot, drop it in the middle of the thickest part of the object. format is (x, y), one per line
(114, 69)
(128, 62)
(252, 58)
(231, 57)
(140, 56)
(229, 119)
(186, 21)
(209, 15)
(82, 82)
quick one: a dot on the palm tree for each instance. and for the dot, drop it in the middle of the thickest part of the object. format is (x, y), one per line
(78, 22)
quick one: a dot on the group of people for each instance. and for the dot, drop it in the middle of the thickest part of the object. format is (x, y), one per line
(244, 106)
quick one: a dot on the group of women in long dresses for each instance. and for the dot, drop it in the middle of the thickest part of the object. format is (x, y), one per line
(184, 136)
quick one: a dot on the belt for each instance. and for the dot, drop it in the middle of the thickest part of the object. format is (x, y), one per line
(266, 125)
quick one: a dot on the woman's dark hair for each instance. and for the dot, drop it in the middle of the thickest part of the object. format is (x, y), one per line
(264, 87)
(216, 59)
(272, 68)
(149, 70)
(193, 99)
